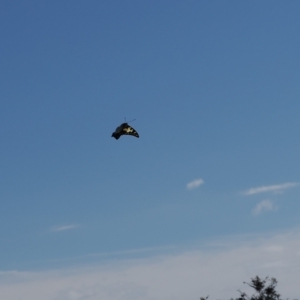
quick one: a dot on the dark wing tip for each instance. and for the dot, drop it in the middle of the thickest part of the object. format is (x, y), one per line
(116, 136)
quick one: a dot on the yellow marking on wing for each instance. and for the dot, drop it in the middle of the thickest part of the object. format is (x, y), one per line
(128, 129)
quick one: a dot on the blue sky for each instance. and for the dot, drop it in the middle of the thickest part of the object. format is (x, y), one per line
(214, 88)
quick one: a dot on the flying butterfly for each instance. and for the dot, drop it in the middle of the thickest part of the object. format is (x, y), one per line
(124, 129)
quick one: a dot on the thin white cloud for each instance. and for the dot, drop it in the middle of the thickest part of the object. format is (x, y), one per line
(194, 184)
(274, 248)
(64, 227)
(264, 205)
(187, 275)
(277, 188)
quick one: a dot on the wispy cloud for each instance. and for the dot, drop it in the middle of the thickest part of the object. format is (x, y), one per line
(194, 184)
(276, 188)
(265, 205)
(64, 227)
(185, 275)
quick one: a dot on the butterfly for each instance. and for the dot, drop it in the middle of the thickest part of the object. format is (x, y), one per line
(124, 129)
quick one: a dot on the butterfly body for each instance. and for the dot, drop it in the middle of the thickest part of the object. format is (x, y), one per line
(124, 129)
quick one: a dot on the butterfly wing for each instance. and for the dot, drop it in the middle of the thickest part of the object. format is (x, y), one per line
(128, 130)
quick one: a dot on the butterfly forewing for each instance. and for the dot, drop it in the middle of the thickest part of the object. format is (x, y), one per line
(128, 130)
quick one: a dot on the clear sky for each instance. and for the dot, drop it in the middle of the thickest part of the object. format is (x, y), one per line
(214, 88)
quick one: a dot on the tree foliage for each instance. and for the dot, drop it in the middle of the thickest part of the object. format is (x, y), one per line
(265, 289)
